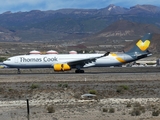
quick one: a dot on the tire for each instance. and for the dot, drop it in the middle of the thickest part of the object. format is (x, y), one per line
(79, 71)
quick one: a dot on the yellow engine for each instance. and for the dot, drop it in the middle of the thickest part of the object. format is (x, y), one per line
(61, 67)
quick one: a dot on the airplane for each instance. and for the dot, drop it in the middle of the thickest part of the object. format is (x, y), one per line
(66, 62)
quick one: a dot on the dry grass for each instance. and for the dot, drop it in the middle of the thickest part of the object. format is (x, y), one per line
(61, 98)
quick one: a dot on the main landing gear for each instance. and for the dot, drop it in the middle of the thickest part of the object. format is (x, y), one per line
(79, 71)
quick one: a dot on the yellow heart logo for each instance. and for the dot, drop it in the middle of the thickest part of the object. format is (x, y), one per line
(143, 45)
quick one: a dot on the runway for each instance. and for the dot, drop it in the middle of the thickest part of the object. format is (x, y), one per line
(98, 70)
(94, 74)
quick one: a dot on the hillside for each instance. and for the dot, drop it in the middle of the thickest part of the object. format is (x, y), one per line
(124, 30)
(8, 35)
(71, 24)
(122, 35)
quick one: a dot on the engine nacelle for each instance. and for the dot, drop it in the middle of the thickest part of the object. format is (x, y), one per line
(61, 67)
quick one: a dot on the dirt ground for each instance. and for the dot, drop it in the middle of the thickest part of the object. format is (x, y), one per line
(121, 94)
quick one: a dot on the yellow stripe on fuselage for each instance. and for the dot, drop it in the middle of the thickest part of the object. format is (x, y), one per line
(143, 45)
(118, 58)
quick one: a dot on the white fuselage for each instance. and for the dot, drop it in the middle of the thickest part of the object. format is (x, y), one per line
(48, 61)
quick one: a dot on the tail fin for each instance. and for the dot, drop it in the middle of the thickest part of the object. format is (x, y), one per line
(141, 46)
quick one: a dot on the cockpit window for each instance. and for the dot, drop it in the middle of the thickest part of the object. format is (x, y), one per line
(8, 60)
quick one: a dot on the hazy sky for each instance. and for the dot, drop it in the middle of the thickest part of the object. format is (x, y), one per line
(27, 5)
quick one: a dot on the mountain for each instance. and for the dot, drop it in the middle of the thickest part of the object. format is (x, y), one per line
(8, 35)
(122, 35)
(113, 10)
(144, 9)
(125, 28)
(71, 24)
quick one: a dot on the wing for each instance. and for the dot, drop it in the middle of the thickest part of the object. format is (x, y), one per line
(85, 61)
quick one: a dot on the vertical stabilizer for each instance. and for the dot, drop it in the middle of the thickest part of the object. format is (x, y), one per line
(141, 45)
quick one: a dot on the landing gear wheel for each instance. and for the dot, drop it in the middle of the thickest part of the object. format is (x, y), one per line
(79, 71)
(76, 71)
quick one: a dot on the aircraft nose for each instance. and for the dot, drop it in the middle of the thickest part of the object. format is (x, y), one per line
(5, 62)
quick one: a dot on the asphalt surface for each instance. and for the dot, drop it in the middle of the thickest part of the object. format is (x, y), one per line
(93, 74)
(98, 70)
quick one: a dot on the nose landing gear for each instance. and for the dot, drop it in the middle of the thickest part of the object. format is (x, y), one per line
(18, 71)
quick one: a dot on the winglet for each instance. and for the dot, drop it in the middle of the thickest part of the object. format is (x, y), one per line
(106, 54)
